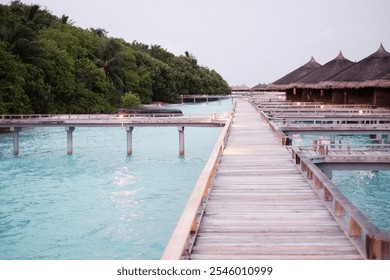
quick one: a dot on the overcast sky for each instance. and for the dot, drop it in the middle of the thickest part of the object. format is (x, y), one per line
(246, 41)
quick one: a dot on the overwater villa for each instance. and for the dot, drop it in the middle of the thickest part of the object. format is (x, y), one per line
(340, 81)
(286, 82)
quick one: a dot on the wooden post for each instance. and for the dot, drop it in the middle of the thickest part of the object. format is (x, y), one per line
(339, 210)
(69, 130)
(129, 131)
(327, 194)
(16, 131)
(355, 229)
(181, 140)
(317, 183)
(304, 168)
(297, 159)
(377, 249)
(309, 174)
(321, 149)
(286, 141)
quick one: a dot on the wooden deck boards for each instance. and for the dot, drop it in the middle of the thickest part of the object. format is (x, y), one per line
(261, 207)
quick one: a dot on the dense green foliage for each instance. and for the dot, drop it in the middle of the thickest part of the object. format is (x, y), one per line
(47, 65)
(131, 100)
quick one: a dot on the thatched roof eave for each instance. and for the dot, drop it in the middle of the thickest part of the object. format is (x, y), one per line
(279, 87)
(353, 85)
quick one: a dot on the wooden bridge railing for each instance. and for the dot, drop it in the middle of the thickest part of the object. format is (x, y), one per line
(181, 242)
(368, 239)
(334, 151)
(38, 117)
(286, 105)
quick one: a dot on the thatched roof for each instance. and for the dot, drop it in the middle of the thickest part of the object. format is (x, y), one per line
(325, 72)
(296, 75)
(260, 86)
(372, 71)
(240, 87)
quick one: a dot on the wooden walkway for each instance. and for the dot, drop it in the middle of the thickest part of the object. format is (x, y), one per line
(261, 207)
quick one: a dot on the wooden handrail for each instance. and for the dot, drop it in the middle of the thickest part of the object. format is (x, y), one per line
(368, 239)
(180, 244)
(335, 151)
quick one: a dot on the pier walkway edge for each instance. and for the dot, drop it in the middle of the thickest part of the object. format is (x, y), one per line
(252, 202)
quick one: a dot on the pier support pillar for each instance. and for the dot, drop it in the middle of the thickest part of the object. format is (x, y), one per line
(16, 131)
(69, 131)
(286, 141)
(181, 140)
(129, 131)
(376, 138)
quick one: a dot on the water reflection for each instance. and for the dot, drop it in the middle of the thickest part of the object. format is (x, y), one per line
(123, 177)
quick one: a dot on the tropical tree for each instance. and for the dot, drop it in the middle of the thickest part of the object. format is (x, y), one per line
(13, 99)
(65, 20)
(131, 100)
(50, 66)
(99, 32)
(109, 56)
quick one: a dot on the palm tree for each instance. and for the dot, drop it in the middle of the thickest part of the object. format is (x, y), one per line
(99, 32)
(110, 56)
(21, 34)
(32, 15)
(65, 20)
(22, 41)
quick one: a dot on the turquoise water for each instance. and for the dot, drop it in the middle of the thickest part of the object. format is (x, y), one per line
(99, 203)
(369, 191)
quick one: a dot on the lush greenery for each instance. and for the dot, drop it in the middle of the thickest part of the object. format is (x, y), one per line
(130, 100)
(47, 65)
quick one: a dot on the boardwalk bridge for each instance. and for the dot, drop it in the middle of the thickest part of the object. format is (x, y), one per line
(257, 199)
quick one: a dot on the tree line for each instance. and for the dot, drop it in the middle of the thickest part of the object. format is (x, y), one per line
(48, 65)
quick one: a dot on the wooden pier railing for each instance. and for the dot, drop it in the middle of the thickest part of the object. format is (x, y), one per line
(338, 150)
(367, 238)
(181, 242)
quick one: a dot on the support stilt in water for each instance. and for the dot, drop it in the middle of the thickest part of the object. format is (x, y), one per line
(69, 131)
(16, 131)
(181, 140)
(129, 131)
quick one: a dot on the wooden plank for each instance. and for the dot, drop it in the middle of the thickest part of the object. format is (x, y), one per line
(325, 249)
(351, 256)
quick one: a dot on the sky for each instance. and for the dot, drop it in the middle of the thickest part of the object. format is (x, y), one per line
(246, 41)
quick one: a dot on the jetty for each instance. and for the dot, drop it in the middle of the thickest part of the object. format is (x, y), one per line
(257, 199)
(15, 124)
